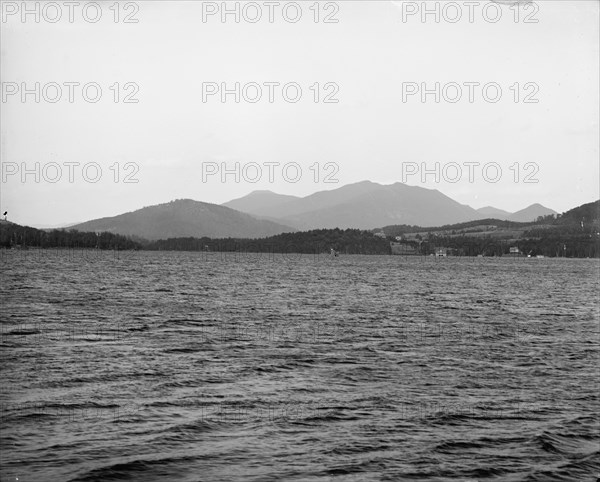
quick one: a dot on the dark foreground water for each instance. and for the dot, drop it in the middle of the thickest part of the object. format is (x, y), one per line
(191, 366)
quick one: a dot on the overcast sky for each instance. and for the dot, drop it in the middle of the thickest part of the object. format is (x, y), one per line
(375, 51)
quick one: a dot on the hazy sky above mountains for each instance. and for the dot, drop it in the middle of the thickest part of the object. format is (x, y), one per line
(368, 134)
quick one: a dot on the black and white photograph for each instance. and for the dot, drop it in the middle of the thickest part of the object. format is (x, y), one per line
(312, 240)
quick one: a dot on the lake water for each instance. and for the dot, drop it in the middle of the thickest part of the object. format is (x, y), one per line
(201, 366)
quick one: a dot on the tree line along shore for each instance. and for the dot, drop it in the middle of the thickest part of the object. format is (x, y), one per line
(574, 234)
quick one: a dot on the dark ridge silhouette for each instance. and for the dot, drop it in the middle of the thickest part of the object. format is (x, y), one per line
(184, 218)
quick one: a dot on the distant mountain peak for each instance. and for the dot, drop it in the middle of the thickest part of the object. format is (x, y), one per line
(261, 191)
(531, 213)
(361, 205)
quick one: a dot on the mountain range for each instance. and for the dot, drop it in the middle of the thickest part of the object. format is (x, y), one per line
(368, 205)
(364, 205)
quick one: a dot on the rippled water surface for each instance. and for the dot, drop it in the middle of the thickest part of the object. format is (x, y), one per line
(198, 366)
